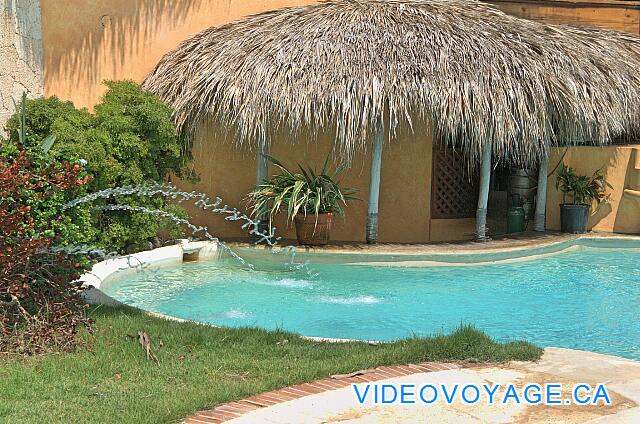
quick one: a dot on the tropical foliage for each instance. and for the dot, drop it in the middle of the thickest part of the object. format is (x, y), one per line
(130, 139)
(582, 189)
(306, 192)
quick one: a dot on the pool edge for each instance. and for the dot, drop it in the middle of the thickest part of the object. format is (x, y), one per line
(105, 271)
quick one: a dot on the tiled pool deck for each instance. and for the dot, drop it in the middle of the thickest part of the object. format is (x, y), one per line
(233, 410)
(516, 241)
(523, 241)
(332, 400)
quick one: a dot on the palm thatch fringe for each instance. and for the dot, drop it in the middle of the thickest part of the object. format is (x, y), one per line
(481, 76)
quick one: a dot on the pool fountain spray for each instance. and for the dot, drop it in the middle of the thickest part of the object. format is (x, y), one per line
(201, 201)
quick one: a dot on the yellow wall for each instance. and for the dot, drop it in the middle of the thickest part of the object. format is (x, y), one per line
(405, 190)
(621, 214)
(452, 229)
(621, 167)
(86, 42)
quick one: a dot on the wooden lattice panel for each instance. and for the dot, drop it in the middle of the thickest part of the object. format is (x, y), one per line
(454, 193)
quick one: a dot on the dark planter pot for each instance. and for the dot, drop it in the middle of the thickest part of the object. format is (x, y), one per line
(516, 220)
(312, 232)
(573, 218)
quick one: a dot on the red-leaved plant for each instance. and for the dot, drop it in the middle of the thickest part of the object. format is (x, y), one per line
(40, 304)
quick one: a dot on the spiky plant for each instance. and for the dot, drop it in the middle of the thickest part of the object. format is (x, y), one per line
(306, 192)
(584, 190)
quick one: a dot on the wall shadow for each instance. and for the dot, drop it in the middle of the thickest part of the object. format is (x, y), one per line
(610, 160)
(87, 42)
(628, 217)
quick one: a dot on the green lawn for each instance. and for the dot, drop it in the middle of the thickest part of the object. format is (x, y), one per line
(110, 379)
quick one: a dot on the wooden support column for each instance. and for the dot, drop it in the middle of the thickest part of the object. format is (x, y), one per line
(262, 164)
(483, 197)
(262, 173)
(541, 197)
(374, 185)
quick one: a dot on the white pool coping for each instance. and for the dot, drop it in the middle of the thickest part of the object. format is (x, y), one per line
(102, 273)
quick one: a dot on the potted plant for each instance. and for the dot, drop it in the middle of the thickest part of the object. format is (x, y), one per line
(309, 198)
(583, 191)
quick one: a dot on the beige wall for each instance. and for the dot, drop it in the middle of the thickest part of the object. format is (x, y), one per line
(405, 190)
(87, 42)
(452, 229)
(622, 213)
(621, 167)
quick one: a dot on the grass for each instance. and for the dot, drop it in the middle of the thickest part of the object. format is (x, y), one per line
(110, 379)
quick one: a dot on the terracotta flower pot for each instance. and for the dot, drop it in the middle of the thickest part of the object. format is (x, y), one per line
(312, 231)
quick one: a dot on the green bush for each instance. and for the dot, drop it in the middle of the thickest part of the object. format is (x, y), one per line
(128, 140)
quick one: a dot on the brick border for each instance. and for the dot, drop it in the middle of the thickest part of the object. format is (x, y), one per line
(229, 411)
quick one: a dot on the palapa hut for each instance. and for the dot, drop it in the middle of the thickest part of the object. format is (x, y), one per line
(489, 85)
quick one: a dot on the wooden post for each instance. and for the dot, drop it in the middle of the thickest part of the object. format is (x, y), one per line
(374, 185)
(262, 164)
(262, 173)
(483, 197)
(541, 197)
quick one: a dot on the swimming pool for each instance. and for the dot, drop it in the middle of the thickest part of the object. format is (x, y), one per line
(581, 295)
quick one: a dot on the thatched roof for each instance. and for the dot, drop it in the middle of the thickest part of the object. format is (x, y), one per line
(478, 74)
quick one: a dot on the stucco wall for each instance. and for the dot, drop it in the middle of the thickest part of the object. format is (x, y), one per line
(405, 190)
(87, 42)
(20, 53)
(622, 213)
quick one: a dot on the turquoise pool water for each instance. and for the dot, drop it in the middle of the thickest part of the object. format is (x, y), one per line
(586, 298)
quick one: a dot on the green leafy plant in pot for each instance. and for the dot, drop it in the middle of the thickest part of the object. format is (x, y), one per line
(309, 198)
(583, 191)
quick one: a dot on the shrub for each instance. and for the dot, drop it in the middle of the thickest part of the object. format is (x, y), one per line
(130, 139)
(40, 304)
